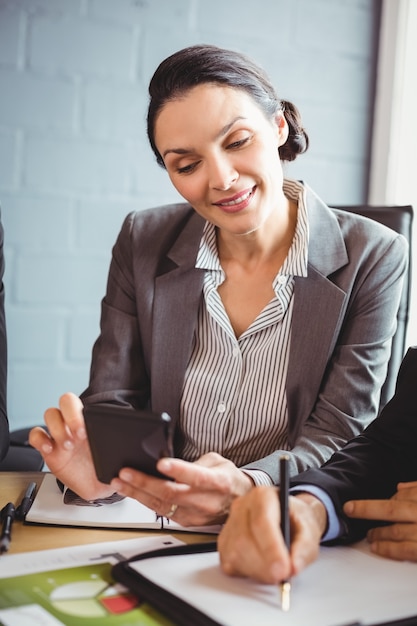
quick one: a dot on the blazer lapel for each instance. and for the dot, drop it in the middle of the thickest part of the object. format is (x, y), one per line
(315, 327)
(319, 308)
(178, 291)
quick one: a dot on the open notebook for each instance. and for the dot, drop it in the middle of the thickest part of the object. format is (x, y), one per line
(346, 586)
(49, 508)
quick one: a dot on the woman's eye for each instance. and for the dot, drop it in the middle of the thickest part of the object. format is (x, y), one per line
(239, 143)
(187, 168)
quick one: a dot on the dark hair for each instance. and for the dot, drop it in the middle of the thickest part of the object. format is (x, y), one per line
(200, 64)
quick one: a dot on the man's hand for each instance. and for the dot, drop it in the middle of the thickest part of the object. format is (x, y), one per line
(251, 544)
(399, 539)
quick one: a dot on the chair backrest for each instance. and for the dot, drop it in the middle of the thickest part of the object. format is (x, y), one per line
(400, 219)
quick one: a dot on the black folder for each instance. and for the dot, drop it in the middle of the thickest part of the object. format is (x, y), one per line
(178, 610)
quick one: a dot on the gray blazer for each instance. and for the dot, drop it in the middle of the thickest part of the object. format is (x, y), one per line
(344, 317)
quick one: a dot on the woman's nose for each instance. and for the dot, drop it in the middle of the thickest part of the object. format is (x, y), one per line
(222, 174)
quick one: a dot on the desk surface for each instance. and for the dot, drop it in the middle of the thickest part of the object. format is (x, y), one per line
(27, 538)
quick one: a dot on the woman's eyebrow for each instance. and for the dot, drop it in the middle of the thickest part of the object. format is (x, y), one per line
(223, 131)
(226, 128)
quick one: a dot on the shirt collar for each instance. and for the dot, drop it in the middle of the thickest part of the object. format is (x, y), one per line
(296, 262)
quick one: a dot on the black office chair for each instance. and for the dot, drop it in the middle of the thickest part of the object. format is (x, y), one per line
(400, 219)
(21, 457)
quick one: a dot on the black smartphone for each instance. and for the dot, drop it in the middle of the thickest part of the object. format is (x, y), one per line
(125, 437)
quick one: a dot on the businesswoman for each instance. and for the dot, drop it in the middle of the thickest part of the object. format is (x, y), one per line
(259, 318)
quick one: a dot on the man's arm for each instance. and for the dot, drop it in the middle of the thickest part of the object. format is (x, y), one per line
(371, 465)
(368, 467)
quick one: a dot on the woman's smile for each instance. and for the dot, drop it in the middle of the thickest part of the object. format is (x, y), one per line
(238, 202)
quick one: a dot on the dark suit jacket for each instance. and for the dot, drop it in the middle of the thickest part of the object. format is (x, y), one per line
(343, 319)
(371, 465)
(4, 425)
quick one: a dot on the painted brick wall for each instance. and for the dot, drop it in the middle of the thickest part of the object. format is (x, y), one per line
(74, 158)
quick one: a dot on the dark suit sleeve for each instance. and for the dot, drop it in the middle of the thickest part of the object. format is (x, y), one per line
(371, 465)
(4, 426)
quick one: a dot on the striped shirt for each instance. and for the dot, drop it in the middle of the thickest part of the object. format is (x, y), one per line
(234, 395)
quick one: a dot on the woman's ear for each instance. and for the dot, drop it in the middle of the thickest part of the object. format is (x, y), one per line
(282, 126)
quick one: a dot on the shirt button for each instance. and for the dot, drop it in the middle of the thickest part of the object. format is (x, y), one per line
(222, 407)
(282, 279)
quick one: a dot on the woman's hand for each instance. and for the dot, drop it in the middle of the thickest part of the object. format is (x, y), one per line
(202, 491)
(65, 448)
(399, 539)
(251, 544)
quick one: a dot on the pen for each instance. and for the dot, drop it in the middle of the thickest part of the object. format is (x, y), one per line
(285, 585)
(27, 501)
(7, 516)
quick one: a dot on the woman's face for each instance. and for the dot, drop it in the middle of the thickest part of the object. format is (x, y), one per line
(221, 154)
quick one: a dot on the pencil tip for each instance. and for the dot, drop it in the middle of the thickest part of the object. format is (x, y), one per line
(285, 596)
